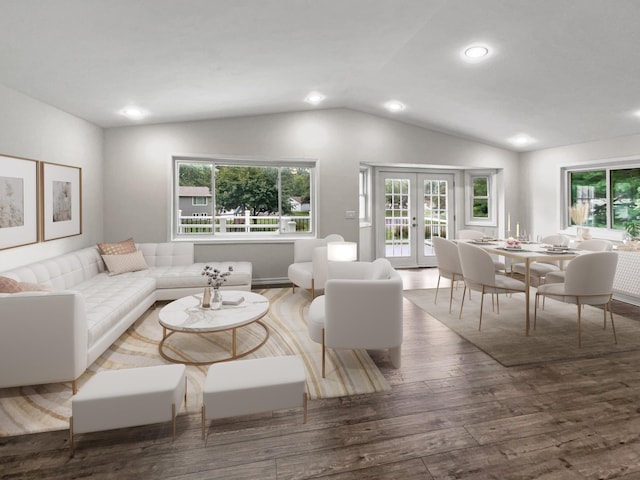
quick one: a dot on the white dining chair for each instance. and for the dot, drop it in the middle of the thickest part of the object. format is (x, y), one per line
(498, 265)
(448, 264)
(470, 235)
(588, 281)
(593, 245)
(540, 270)
(480, 275)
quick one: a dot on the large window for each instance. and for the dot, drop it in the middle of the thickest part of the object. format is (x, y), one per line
(247, 198)
(612, 195)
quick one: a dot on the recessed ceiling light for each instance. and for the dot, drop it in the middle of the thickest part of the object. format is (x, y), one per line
(314, 98)
(475, 53)
(134, 113)
(394, 106)
(521, 140)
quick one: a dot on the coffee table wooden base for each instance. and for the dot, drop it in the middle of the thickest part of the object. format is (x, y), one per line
(234, 352)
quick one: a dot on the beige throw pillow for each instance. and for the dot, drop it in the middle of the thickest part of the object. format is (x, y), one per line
(129, 262)
(117, 248)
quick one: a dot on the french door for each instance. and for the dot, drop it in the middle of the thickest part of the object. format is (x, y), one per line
(412, 208)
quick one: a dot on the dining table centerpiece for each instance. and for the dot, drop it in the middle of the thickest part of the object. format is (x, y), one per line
(212, 297)
(579, 213)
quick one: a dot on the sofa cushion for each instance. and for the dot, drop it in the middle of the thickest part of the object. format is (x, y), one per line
(108, 299)
(316, 322)
(117, 248)
(63, 272)
(128, 262)
(167, 254)
(191, 275)
(9, 285)
(380, 269)
(34, 287)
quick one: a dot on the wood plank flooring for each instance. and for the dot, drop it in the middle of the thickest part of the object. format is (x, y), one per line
(453, 413)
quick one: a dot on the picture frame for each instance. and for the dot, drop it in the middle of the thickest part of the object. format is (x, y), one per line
(61, 194)
(19, 212)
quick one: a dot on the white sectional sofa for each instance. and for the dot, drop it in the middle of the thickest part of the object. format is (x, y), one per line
(53, 336)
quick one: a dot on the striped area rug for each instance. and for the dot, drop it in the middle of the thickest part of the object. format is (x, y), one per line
(349, 372)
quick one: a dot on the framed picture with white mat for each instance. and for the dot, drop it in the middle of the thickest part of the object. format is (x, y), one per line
(61, 201)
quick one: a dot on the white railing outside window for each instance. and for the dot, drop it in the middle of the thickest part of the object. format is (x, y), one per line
(203, 224)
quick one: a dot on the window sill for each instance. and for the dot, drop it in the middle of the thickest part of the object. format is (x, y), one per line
(599, 233)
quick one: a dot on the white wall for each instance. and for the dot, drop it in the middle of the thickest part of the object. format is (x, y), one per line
(542, 169)
(32, 129)
(137, 169)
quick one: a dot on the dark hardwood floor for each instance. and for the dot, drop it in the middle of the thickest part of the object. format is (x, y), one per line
(453, 412)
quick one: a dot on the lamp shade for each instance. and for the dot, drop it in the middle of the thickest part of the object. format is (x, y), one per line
(342, 251)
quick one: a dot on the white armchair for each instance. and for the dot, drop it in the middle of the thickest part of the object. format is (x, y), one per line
(361, 309)
(309, 267)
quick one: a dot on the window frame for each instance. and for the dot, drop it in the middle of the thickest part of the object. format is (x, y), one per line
(492, 210)
(607, 167)
(364, 196)
(196, 204)
(237, 237)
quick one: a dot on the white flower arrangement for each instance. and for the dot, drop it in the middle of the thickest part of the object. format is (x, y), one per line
(216, 277)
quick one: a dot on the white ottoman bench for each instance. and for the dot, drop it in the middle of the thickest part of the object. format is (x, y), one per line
(128, 398)
(243, 387)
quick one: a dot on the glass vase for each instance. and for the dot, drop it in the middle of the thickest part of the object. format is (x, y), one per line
(216, 299)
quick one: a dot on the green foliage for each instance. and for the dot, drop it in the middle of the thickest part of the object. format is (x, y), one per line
(625, 187)
(296, 182)
(252, 188)
(480, 208)
(480, 187)
(632, 228)
(195, 175)
(256, 188)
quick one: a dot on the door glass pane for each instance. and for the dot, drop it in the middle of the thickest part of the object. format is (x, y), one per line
(435, 212)
(397, 218)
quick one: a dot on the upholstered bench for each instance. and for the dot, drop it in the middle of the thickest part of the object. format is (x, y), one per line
(243, 387)
(128, 398)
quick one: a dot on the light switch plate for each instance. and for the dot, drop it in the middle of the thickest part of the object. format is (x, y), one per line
(350, 214)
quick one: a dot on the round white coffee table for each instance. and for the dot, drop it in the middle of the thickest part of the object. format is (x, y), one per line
(185, 315)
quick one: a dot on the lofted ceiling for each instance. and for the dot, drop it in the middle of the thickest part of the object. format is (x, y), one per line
(559, 71)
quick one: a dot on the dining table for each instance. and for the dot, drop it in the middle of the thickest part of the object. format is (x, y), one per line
(526, 253)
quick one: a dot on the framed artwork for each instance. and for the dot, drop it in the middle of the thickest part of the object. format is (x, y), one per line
(18, 201)
(61, 201)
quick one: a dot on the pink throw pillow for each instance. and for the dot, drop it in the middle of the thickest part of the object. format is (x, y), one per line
(8, 285)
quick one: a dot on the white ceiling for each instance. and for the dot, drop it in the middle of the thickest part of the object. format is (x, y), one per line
(561, 71)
